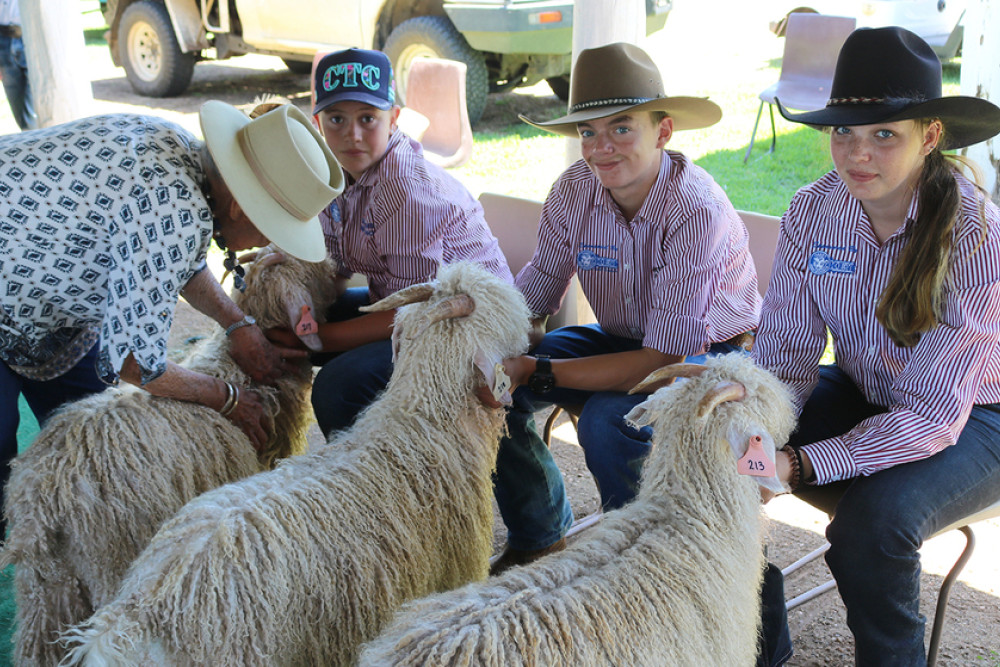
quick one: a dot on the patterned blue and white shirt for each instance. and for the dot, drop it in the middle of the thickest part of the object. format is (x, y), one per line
(103, 222)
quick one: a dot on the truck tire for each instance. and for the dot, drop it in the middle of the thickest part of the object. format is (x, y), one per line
(154, 64)
(437, 37)
(559, 86)
(298, 66)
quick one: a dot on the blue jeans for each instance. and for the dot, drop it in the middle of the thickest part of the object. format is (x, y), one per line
(527, 483)
(349, 381)
(43, 398)
(14, 69)
(880, 521)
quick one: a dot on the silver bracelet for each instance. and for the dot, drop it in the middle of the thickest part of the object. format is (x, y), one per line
(232, 399)
(245, 322)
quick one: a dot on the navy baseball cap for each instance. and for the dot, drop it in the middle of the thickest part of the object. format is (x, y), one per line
(359, 75)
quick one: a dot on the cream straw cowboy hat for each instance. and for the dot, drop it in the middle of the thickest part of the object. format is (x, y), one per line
(618, 78)
(280, 171)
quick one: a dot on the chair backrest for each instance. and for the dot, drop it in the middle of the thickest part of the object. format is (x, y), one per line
(763, 230)
(436, 88)
(514, 221)
(812, 44)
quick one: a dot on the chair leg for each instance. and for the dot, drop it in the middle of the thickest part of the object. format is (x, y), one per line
(814, 592)
(774, 135)
(753, 135)
(945, 592)
(550, 424)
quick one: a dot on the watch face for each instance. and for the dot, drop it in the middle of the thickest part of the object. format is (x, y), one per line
(541, 384)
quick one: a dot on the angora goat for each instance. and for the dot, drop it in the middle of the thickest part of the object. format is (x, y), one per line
(300, 565)
(107, 471)
(671, 579)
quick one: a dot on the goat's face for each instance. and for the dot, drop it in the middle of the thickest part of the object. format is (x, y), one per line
(286, 292)
(728, 398)
(467, 314)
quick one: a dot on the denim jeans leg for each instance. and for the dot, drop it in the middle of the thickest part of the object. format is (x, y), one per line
(349, 383)
(10, 390)
(14, 69)
(527, 483)
(43, 398)
(614, 450)
(880, 521)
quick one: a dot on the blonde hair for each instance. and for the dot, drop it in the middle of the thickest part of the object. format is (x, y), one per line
(911, 303)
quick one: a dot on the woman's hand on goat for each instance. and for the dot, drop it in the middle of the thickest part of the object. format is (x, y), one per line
(259, 358)
(251, 418)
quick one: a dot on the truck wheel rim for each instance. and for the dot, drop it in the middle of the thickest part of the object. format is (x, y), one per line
(144, 51)
(406, 58)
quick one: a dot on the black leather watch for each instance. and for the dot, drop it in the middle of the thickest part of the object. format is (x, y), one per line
(542, 381)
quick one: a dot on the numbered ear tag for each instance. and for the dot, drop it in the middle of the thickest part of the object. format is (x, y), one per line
(755, 462)
(501, 381)
(307, 324)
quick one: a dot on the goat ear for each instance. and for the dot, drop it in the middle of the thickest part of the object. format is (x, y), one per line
(639, 416)
(498, 383)
(739, 440)
(302, 322)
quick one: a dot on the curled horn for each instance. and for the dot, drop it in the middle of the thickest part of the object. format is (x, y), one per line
(270, 259)
(411, 294)
(662, 376)
(724, 391)
(459, 305)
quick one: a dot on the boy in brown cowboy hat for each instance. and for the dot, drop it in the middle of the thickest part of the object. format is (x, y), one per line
(661, 256)
(108, 222)
(897, 254)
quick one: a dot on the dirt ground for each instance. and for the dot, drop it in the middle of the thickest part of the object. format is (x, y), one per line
(972, 635)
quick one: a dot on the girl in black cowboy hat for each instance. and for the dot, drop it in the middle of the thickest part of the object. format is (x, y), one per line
(897, 254)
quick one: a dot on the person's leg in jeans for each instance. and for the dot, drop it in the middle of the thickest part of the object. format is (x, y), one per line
(14, 69)
(349, 381)
(43, 398)
(527, 483)
(881, 521)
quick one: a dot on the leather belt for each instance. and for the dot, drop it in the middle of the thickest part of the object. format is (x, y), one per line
(12, 31)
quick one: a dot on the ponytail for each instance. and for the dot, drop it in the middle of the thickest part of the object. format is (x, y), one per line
(911, 302)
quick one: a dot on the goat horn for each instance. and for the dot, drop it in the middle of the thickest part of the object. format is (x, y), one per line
(459, 305)
(270, 259)
(723, 392)
(662, 376)
(411, 294)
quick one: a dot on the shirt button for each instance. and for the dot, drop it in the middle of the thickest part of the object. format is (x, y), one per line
(873, 349)
(626, 266)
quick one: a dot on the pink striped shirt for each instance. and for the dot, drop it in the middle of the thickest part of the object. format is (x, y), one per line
(403, 219)
(678, 277)
(830, 271)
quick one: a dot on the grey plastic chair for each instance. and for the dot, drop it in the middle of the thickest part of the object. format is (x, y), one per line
(812, 44)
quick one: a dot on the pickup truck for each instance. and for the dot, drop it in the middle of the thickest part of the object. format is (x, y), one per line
(503, 43)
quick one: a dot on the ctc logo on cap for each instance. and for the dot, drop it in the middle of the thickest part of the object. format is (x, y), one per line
(349, 74)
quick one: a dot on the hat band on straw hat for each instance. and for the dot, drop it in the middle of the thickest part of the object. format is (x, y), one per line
(271, 187)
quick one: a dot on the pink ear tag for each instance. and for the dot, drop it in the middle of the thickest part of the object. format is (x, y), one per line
(307, 324)
(755, 462)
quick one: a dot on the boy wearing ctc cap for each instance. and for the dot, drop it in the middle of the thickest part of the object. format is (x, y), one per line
(399, 219)
(662, 258)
